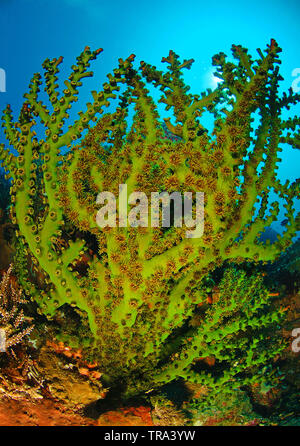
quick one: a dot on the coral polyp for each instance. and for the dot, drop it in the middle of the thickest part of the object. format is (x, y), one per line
(139, 287)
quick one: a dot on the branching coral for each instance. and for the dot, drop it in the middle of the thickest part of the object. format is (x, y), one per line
(12, 318)
(141, 284)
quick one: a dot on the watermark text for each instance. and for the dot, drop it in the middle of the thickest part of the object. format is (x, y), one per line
(2, 81)
(296, 342)
(168, 209)
(296, 82)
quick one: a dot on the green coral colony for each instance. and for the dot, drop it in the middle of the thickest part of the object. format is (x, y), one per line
(142, 288)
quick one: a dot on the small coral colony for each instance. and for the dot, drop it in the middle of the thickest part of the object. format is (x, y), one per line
(152, 306)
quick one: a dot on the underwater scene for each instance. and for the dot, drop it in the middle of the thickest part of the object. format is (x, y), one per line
(149, 213)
